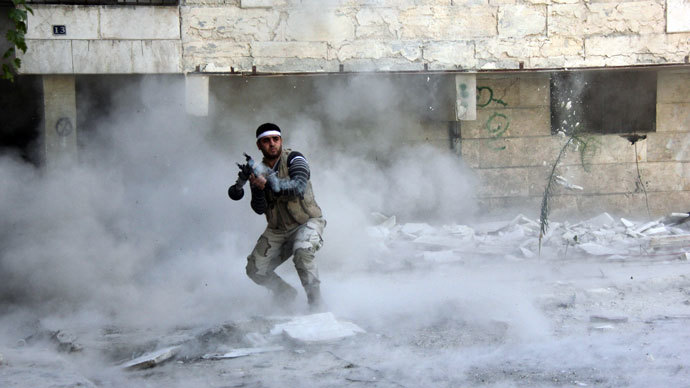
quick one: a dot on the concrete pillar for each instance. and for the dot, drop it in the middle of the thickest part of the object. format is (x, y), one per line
(466, 97)
(60, 105)
(196, 95)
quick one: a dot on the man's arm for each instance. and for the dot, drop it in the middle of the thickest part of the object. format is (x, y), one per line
(298, 171)
(258, 203)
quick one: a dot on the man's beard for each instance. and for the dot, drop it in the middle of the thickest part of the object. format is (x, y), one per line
(269, 156)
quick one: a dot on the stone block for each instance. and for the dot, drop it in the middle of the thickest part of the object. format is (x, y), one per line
(521, 20)
(466, 97)
(665, 203)
(670, 48)
(47, 57)
(383, 64)
(230, 23)
(140, 22)
(668, 146)
(377, 23)
(319, 25)
(409, 51)
(301, 50)
(81, 22)
(663, 176)
(498, 92)
(511, 152)
(604, 149)
(596, 179)
(535, 91)
(259, 3)
(448, 23)
(156, 56)
(508, 122)
(503, 182)
(60, 117)
(673, 87)
(449, 55)
(677, 16)
(583, 20)
(627, 204)
(294, 65)
(102, 56)
(673, 117)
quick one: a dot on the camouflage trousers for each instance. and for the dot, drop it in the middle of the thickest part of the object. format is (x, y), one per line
(276, 246)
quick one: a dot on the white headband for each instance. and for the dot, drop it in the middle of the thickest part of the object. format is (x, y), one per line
(268, 133)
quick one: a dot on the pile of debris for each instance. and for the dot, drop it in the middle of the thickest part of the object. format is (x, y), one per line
(603, 236)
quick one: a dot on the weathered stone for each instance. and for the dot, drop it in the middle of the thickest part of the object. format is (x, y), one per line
(639, 17)
(673, 117)
(60, 118)
(508, 122)
(667, 47)
(46, 57)
(511, 152)
(140, 22)
(521, 20)
(232, 23)
(661, 204)
(294, 65)
(448, 23)
(663, 176)
(156, 56)
(319, 25)
(673, 86)
(126, 56)
(377, 23)
(379, 50)
(668, 146)
(301, 50)
(81, 22)
(384, 64)
(535, 91)
(619, 204)
(503, 182)
(677, 16)
(450, 55)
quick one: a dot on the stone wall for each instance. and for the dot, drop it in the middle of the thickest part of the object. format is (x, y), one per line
(409, 35)
(511, 148)
(103, 40)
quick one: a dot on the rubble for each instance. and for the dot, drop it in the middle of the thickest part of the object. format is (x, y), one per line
(242, 352)
(316, 328)
(149, 360)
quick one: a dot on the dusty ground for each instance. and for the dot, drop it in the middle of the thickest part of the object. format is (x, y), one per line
(463, 318)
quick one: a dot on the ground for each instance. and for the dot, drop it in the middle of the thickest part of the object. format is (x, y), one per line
(441, 307)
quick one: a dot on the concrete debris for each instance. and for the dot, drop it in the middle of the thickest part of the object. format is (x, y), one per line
(241, 352)
(627, 223)
(441, 257)
(656, 230)
(67, 342)
(417, 229)
(316, 328)
(607, 319)
(150, 360)
(670, 241)
(564, 182)
(600, 221)
(597, 249)
(646, 226)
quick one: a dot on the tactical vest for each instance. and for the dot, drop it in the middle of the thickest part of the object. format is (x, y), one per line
(284, 212)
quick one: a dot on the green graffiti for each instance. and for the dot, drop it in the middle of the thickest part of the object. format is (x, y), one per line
(485, 96)
(497, 125)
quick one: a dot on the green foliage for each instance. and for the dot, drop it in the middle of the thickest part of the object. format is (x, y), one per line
(18, 15)
(587, 147)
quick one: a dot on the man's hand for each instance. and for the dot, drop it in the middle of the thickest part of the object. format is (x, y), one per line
(257, 181)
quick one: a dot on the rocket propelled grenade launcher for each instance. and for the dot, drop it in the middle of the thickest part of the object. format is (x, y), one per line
(236, 191)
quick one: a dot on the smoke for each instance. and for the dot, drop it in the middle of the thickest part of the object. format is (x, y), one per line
(141, 232)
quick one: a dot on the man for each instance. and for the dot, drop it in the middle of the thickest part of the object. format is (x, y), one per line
(284, 194)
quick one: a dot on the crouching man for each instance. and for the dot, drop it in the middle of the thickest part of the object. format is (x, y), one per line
(295, 223)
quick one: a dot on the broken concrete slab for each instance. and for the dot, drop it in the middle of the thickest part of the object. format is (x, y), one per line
(317, 328)
(417, 228)
(608, 319)
(682, 240)
(600, 221)
(149, 360)
(598, 250)
(241, 352)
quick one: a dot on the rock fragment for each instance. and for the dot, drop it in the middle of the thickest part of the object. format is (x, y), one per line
(152, 359)
(316, 328)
